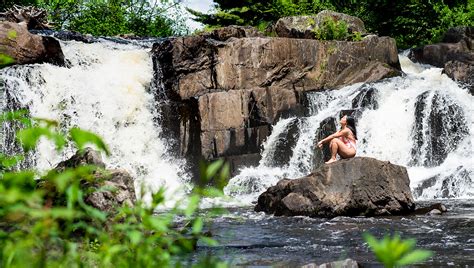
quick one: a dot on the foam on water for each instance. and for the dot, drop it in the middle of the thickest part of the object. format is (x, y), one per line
(385, 133)
(106, 90)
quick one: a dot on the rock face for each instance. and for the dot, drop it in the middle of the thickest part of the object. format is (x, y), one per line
(223, 97)
(455, 54)
(351, 187)
(25, 48)
(304, 26)
(118, 185)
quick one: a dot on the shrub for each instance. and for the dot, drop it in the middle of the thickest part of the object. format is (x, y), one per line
(37, 232)
(331, 29)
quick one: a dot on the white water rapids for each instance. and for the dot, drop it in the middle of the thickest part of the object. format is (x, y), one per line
(106, 89)
(385, 133)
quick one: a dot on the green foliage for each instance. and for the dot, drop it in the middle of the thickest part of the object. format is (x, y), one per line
(395, 252)
(410, 22)
(47, 223)
(156, 18)
(331, 29)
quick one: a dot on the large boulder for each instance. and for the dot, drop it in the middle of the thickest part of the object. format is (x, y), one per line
(305, 26)
(107, 190)
(25, 48)
(461, 72)
(359, 186)
(222, 97)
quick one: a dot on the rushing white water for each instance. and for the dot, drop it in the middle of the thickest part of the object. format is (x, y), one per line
(386, 133)
(106, 90)
(422, 120)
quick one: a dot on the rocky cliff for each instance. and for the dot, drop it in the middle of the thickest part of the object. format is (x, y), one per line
(223, 96)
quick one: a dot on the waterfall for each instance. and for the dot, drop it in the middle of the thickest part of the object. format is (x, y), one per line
(106, 89)
(422, 120)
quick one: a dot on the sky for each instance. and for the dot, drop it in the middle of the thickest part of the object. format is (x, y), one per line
(199, 5)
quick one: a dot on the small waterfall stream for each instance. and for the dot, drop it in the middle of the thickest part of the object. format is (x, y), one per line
(422, 120)
(105, 89)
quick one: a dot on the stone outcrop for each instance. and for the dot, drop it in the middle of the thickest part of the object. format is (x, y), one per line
(25, 47)
(352, 187)
(223, 96)
(455, 54)
(304, 26)
(110, 188)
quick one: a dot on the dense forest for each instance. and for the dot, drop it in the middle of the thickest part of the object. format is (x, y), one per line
(111, 17)
(410, 22)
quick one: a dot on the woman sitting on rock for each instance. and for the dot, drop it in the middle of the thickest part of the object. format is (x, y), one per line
(342, 142)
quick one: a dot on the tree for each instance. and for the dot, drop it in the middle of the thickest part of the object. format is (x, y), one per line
(410, 22)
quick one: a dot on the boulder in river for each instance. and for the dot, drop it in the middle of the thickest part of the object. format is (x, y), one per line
(26, 48)
(107, 190)
(360, 186)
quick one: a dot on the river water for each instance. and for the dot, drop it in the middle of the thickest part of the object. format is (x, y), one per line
(422, 120)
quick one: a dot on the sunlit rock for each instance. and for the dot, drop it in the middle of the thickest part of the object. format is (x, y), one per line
(359, 186)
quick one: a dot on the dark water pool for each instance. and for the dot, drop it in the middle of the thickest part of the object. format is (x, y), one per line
(254, 239)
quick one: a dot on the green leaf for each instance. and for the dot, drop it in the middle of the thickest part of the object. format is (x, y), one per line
(418, 255)
(135, 237)
(82, 138)
(192, 205)
(213, 168)
(197, 225)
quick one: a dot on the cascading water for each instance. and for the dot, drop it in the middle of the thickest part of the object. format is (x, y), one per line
(105, 89)
(422, 120)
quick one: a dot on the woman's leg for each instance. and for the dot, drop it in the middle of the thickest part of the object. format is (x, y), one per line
(338, 147)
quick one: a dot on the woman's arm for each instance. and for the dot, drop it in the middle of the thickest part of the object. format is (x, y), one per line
(338, 134)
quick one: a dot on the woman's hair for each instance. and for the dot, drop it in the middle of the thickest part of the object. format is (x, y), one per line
(351, 125)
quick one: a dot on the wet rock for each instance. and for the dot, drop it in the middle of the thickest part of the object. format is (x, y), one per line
(440, 124)
(351, 187)
(285, 143)
(435, 212)
(461, 72)
(75, 36)
(107, 190)
(326, 128)
(27, 48)
(366, 99)
(434, 209)
(451, 185)
(347, 263)
(304, 26)
(457, 44)
(455, 54)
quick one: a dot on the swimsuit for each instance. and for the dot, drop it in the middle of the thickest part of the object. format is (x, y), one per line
(348, 142)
